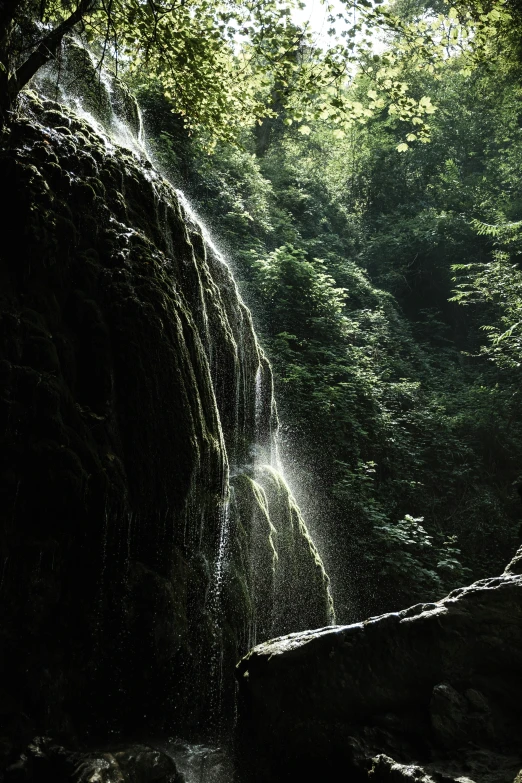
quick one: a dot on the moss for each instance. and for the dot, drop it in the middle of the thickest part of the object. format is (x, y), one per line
(299, 570)
(97, 186)
(132, 383)
(287, 586)
(84, 192)
(54, 174)
(125, 105)
(55, 117)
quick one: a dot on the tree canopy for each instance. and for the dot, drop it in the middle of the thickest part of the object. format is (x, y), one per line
(357, 244)
(401, 409)
(223, 64)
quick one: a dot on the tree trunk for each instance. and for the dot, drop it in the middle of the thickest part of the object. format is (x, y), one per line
(8, 9)
(263, 131)
(5, 103)
(12, 81)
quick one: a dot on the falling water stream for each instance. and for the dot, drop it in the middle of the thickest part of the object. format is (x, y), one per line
(253, 422)
(200, 763)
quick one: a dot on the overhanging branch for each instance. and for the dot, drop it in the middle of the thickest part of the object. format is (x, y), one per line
(47, 48)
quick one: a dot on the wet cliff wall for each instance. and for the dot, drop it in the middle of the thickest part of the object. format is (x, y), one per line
(147, 537)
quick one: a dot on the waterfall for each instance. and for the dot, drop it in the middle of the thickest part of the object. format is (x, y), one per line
(202, 549)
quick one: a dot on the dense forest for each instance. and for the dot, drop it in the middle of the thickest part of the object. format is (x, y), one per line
(366, 192)
(261, 350)
(385, 283)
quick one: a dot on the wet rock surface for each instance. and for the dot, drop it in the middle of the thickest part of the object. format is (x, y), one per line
(44, 761)
(131, 386)
(432, 693)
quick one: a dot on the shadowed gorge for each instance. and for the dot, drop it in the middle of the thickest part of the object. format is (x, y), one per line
(242, 258)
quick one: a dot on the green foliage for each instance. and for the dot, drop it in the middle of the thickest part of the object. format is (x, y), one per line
(497, 281)
(302, 297)
(409, 438)
(346, 228)
(404, 550)
(220, 64)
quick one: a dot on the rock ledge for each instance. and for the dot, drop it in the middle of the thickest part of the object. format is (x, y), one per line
(431, 693)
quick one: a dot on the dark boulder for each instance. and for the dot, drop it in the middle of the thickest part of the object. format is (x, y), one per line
(430, 693)
(44, 761)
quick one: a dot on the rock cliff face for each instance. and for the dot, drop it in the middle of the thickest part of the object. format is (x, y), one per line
(147, 538)
(432, 693)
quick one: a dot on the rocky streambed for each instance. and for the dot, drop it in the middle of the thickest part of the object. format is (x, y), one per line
(430, 694)
(161, 761)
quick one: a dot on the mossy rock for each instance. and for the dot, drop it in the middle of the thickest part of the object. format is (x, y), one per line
(127, 359)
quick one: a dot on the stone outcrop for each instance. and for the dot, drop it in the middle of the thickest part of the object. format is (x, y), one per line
(133, 395)
(44, 760)
(432, 694)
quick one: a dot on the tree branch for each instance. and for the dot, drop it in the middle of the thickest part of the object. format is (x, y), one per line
(47, 48)
(8, 10)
